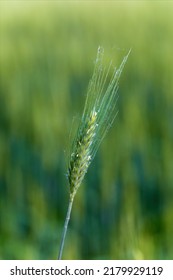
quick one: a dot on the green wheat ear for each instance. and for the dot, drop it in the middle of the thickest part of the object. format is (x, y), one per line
(81, 156)
(98, 115)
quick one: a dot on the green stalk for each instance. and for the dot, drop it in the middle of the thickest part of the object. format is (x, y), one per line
(65, 228)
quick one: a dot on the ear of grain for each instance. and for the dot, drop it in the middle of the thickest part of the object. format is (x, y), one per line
(98, 115)
(81, 157)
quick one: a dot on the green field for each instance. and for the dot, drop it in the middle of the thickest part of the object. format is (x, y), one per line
(124, 208)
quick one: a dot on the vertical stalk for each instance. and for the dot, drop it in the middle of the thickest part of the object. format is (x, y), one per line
(65, 227)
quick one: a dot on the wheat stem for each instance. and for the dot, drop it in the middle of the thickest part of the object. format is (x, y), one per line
(65, 228)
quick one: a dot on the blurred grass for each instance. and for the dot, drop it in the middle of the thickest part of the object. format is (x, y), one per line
(124, 210)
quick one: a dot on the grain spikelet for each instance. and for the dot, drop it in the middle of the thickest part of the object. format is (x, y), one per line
(99, 114)
(81, 157)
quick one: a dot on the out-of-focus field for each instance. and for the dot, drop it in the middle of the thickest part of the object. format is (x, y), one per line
(124, 208)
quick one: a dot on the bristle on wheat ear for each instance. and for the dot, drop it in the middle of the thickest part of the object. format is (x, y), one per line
(81, 157)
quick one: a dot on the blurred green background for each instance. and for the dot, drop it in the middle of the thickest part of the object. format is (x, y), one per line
(124, 208)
